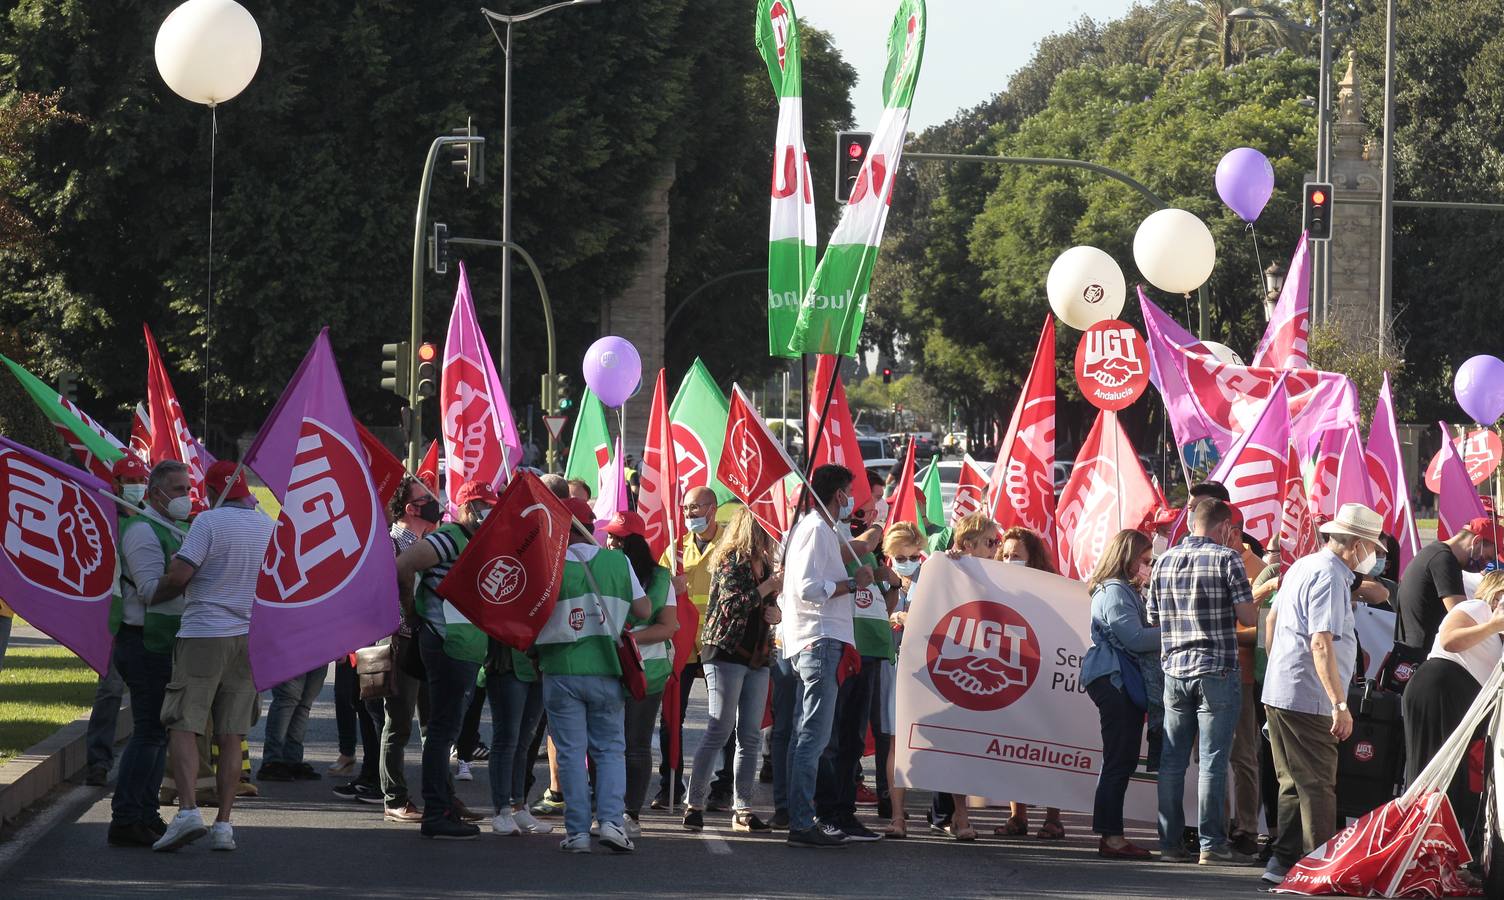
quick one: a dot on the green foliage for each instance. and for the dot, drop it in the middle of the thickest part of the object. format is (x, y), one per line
(1202, 33)
(1334, 348)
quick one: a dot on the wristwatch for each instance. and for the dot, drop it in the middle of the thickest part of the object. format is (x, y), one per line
(851, 585)
(1339, 708)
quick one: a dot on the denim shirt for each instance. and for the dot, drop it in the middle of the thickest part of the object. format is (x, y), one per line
(1117, 620)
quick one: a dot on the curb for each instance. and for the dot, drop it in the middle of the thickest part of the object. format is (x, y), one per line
(34, 774)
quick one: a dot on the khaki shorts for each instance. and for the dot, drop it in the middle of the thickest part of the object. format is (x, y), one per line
(211, 676)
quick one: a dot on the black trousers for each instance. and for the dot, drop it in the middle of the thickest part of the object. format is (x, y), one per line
(1435, 702)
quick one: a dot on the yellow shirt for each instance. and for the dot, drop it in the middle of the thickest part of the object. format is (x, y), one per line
(6, 611)
(695, 561)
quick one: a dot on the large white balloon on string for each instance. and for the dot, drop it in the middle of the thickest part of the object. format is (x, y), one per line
(1223, 353)
(1085, 286)
(1174, 250)
(208, 50)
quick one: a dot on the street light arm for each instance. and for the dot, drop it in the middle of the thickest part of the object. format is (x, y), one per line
(523, 17)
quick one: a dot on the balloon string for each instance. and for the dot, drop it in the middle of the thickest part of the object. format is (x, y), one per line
(209, 289)
(1258, 276)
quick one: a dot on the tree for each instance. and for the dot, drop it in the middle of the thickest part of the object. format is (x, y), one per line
(1199, 33)
(1335, 347)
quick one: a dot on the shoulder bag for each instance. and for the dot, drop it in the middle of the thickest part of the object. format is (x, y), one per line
(633, 677)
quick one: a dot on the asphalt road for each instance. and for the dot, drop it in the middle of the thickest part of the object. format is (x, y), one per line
(299, 840)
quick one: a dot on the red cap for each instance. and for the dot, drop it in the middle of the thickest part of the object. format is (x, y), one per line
(1237, 516)
(217, 480)
(476, 490)
(627, 522)
(1485, 526)
(130, 466)
(581, 510)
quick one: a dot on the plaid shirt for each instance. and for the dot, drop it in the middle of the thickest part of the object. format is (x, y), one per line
(1191, 597)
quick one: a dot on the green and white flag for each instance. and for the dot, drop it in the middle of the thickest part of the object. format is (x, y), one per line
(934, 502)
(698, 422)
(95, 448)
(791, 229)
(831, 313)
(590, 445)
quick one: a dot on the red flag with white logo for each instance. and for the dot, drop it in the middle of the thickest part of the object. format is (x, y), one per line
(1297, 530)
(1022, 487)
(1107, 492)
(658, 479)
(905, 505)
(480, 436)
(752, 461)
(838, 443)
(507, 580)
(772, 511)
(386, 469)
(141, 433)
(428, 468)
(170, 438)
(971, 490)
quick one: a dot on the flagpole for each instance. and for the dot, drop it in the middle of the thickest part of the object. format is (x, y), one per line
(1117, 465)
(136, 510)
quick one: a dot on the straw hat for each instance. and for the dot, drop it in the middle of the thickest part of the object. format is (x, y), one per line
(1357, 520)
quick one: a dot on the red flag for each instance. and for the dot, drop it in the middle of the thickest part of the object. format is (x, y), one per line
(971, 489)
(1022, 490)
(658, 478)
(751, 460)
(1297, 532)
(480, 436)
(772, 512)
(507, 580)
(1107, 492)
(170, 438)
(905, 504)
(838, 444)
(386, 469)
(428, 469)
(684, 645)
(141, 434)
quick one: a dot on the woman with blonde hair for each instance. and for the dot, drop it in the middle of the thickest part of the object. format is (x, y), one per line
(1110, 671)
(904, 548)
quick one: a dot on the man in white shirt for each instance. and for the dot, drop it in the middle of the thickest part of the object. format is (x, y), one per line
(216, 571)
(816, 602)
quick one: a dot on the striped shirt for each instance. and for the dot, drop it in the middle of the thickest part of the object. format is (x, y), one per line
(1191, 597)
(225, 546)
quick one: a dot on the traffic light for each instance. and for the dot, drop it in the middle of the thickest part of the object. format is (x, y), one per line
(470, 157)
(428, 382)
(851, 152)
(67, 386)
(395, 366)
(438, 249)
(1318, 211)
(887, 375)
(564, 392)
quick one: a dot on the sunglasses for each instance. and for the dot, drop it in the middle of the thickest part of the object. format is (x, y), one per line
(903, 559)
(992, 543)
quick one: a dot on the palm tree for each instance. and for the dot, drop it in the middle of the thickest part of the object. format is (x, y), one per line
(1200, 33)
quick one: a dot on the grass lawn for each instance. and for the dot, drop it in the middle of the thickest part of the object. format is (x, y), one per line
(41, 690)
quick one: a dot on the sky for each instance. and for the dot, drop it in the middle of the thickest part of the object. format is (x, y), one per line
(972, 47)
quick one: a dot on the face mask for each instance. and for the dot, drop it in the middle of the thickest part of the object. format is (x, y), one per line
(880, 510)
(1016, 562)
(1161, 545)
(697, 524)
(907, 569)
(848, 506)
(133, 493)
(1380, 563)
(180, 508)
(1475, 564)
(1367, 565)
(430, 511)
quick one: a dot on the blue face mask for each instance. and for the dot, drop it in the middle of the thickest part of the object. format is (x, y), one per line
(1380, 563)
(908, 569)
(697, 524)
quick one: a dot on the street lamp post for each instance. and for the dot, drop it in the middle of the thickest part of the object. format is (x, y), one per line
(1274, 283)
(505, 350)
(1386, 208)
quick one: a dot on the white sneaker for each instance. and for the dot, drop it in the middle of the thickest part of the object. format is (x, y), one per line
(529, 825)
(613, 836)
(503, 824)
(576, 843)
(222, 836)
(185, 828)
(464, 773)
(634, 827)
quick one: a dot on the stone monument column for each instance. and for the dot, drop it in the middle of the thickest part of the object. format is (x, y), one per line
(1356, 176)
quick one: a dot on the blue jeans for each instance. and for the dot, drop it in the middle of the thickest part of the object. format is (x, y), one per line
(99, 739)
(450, 684)
(1207, 704)
(738, 696)
(816, 704)
(287, 717)
(841, 763)
(781, 737)
(145, 756)
(1122, 731)
(516, 707)
(585, 716)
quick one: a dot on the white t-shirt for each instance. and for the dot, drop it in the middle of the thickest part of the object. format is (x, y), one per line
(812, 567)
(1481, 658)
(226, 547)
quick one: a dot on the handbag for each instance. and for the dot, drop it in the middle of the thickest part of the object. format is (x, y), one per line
(1133, 678)
(633, 676)
(376, 668)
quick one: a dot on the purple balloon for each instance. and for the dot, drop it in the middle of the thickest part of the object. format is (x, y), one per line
(613, 370)
(1479, 386)
(1245, 182)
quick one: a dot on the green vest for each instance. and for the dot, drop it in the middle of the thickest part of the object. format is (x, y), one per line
(577, 639)
(160, 623)
(462, 640)
(657, 659)
(869, 617)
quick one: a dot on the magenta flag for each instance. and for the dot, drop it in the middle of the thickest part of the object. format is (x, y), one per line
(328, 583)
(1386, 473)
(480, 435)
(1353, 485)
(1254, 470)
(58, 568)
(1286, 340)
(611, 492)
(1458, 503)
(1163, 335)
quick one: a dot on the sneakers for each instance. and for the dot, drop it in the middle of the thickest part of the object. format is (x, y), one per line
(156, 826)
(466, 814)
(529, 825)
(304, 772)
(275, 771)
(131, 835)
(865, 796)
(481, 753)
(615, 837)
(1274, 873)
(633, 827)
(816, 838)
(660, 801)
(575, 843)
(856, 831)
(780, 821)
(1227, 856)
(98, 774)
(185, 828)
(222, 836)
(359, 790)
(449, 828)
(503, 824)
(345, 765)
(406, 814)
(552, 804)
(694, 820)
(464, 773)
(1175, 855)
(719, 801)
(747, 821)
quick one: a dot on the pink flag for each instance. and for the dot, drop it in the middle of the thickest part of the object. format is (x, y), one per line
(1386, 473)
(58, 566)
(1022, 486)
(611, 498)
(141, 433)
(658, 478)
(1107, 492)
(480, 436)
(170, 437)
(1285, 340)
(1254, 471)
(1297, 533)
(1458, 503)
(328, 584)
(1163, 334)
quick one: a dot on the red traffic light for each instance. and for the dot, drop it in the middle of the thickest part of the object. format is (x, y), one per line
(428, 352)
(855, 150)
(887, 371)
(1318, 197)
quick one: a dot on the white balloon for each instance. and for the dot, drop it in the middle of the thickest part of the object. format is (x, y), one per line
(1175, 251)
(1085, 287)
(1223, 353)
(208, 50)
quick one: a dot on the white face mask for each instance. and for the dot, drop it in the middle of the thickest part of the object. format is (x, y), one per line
(697, 524)
(908, 568)
(880, 510)
(180, 508)
(133, 493)
(1160, 545)
(1367, 565)
(848, 506)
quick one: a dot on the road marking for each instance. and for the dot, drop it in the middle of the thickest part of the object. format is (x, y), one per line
(715, 843)
(71, 803)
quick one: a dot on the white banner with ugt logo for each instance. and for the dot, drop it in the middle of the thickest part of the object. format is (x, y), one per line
(989, 695)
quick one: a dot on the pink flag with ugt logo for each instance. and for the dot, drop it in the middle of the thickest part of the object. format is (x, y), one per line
(1254, 470)
(57, 570)
(328, 583)
(480, 436)
(1457, 503)
(1386, 473)
(1286, 340)
(1108, 491)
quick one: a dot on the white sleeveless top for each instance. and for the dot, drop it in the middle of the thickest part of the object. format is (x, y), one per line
(1481, 658)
